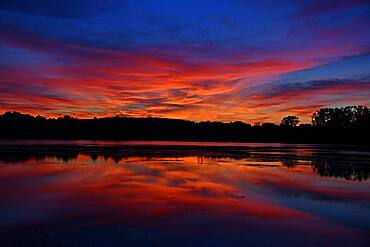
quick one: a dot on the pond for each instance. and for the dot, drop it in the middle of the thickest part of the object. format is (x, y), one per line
(86, 193)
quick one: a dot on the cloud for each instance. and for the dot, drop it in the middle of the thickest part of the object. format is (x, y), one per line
(238, 61)
(328, 86)
(139, 83)
(304, 98)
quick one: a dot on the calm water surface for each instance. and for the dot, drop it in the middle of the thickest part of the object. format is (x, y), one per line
(183, 194)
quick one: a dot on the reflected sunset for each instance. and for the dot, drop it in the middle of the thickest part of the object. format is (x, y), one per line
(181, 196)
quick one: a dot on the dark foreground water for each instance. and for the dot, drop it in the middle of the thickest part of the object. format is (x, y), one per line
(181, 194)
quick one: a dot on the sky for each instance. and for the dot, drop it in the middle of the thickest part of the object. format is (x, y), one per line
(218, 60)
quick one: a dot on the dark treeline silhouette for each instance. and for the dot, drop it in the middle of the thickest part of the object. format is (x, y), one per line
(326, 161)
(329, 125)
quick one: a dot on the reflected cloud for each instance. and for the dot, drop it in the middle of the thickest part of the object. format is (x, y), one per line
(184, 192)
(328, 162)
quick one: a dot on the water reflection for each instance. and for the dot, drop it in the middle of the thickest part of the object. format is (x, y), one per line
(325, 162)
(183, 196)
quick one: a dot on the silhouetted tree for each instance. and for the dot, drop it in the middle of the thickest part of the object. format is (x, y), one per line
(289, 121)
(344, 117)
(353, 121)
(269, 126)
(362, 114)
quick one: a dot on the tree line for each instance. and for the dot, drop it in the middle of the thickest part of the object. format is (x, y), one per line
(350, 124)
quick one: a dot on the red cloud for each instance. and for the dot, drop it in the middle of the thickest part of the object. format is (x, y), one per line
(87, 81)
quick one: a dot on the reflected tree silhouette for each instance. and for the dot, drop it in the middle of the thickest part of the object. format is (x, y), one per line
(328, 163)
(349, 171)
(290, 163)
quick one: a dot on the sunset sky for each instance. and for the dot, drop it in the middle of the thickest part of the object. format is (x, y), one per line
(223, 60)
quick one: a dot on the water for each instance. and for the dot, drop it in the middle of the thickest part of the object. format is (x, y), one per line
(83, 193)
